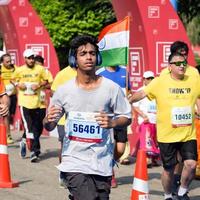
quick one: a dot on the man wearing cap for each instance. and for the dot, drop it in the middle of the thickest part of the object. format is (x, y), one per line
(29, 79)
(175, 95)
(146, 111)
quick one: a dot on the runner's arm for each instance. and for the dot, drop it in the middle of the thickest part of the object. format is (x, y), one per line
(52, 117)
(137, 96)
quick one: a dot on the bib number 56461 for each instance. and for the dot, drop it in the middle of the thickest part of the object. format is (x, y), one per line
(86, 128)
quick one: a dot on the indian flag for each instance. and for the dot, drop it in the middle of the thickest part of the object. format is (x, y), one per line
(114, 43)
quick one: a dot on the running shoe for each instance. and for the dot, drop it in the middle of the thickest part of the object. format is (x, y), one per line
(61, 180)
(23, 148)
(71, 197)
(184, 197)
(34, 157)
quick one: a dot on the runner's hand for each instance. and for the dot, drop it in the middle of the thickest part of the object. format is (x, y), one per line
(130, 97)
(104, 120)
(54, 113)
(21, 86)
(35, 87)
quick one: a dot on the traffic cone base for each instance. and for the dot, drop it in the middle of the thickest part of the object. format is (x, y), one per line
(9, 184)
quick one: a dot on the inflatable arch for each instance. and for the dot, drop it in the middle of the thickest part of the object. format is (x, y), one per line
(154, 26)
(21, 28)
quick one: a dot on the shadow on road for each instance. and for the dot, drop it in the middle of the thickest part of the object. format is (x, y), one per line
(25, 181)
(49, 153)
(129, 179)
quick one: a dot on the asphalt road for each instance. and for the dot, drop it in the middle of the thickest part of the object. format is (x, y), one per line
(39, 181)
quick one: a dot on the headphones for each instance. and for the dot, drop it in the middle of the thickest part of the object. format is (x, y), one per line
(72, 58)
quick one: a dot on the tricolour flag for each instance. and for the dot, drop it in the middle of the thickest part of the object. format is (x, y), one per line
(114, 43)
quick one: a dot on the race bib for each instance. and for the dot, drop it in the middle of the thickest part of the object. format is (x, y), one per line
(83, 127)
(151, 107)
(42, 96)
(10, 89)
(151, 112)
(181, 116)
(29, 90)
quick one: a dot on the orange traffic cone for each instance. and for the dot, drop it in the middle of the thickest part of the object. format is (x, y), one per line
(5, 180)
(140, 188)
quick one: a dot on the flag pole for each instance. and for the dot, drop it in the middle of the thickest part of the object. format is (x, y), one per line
(127, 66)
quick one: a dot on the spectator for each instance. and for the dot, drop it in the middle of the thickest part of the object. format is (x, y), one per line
(146, 111)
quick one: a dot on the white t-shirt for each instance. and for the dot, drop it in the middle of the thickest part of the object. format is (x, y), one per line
(89, 154)
(148, 108)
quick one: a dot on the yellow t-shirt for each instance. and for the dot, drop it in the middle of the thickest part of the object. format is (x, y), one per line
(29, 76)
(43, 98)
(6, 75)
(175, 100)
(62, 77)
(190, 71)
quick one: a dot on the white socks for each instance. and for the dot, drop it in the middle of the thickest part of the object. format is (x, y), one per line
(182, 191)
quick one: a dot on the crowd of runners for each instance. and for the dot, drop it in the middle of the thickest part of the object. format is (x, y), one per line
(92, 108)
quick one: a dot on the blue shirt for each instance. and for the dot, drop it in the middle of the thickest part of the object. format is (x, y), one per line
(118, 76)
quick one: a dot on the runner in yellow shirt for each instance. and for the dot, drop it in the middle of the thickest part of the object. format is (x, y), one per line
(29, 79)
(182, 48)
(175, 95)
(44, 97)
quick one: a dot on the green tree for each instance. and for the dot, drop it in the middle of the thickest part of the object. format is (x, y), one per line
(190, 16)
(65, 19)
(188, 9)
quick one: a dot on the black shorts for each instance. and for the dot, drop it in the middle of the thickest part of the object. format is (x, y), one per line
(61, 132)
(88, 186)
(168, 151)
(120, 135)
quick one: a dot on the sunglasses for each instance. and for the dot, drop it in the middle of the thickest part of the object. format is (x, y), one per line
(179, 63)
(150, 78)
